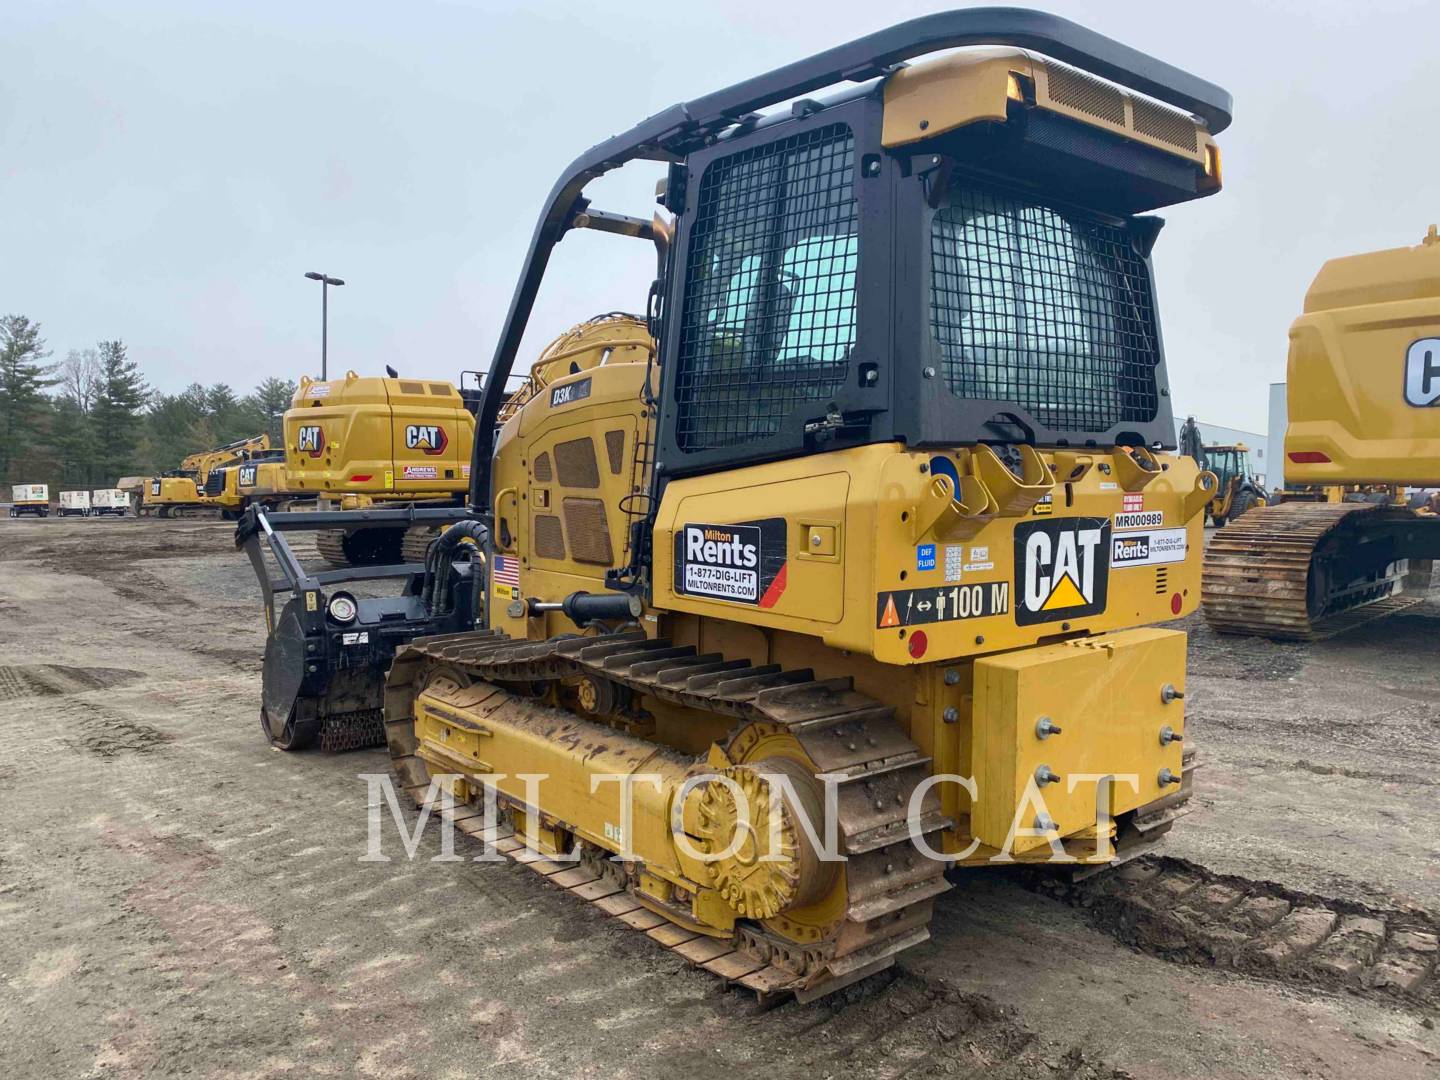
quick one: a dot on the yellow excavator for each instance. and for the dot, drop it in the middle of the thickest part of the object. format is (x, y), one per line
(182, 492)
(258, 477)
(361, 442)
(844, 572)
(1362, 389)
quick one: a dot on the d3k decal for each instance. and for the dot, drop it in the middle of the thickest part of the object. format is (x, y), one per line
(1062, 569)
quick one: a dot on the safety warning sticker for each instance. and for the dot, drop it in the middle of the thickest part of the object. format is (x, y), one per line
(948, 603)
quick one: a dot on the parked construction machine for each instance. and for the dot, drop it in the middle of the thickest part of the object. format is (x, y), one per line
(370, 441)
(181, 492)
(1238, 490)
(258, 477)
(852, 579)
(1362, 392)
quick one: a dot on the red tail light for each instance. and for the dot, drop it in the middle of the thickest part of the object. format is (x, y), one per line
(360, 478)
(1309, 457)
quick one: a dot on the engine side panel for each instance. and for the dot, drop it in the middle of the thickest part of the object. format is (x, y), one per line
(1364, 372)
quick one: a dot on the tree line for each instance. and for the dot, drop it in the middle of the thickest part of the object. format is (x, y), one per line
(90, 418)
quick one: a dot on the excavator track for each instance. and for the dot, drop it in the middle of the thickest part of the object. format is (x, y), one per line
(1269, 573)
(416, 544)
(890, 885)
(412, 547)
(374, 546)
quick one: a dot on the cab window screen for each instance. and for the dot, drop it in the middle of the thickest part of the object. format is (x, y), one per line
(1042, 308)
(769, 312)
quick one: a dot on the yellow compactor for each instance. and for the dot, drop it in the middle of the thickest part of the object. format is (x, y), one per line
(873, 545)
(1363, 393)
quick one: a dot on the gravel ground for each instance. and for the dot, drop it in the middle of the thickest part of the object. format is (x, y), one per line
(178, 899)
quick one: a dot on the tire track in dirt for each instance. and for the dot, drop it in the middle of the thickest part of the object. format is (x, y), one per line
(59, 680)
(897, 1023)
(1182, 912)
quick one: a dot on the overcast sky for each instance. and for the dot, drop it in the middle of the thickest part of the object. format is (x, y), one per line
(169, 170)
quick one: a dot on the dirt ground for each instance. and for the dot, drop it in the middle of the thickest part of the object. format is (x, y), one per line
(178, 899)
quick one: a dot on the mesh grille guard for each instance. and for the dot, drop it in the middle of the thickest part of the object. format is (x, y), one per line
(1019, 288)
(670, 133)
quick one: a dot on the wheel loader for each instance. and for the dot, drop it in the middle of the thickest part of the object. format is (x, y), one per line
(1238, 490)
(1343, 547)
(853, 577)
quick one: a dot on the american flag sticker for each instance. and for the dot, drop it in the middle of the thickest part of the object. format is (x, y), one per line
(507, 571)
(505, 578)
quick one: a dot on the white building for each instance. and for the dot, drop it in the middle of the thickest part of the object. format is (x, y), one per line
(1277, 431)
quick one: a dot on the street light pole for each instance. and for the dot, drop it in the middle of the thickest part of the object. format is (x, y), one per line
(325, 282)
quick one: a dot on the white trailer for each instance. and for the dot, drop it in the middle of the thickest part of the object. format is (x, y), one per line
(30, 499)
(74, 504)
(109, 501)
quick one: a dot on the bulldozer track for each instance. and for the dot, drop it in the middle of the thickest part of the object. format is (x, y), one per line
(1179, 911)
(1257, 574)
(890, 886)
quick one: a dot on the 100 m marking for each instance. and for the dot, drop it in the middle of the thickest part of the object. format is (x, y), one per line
(911, 607)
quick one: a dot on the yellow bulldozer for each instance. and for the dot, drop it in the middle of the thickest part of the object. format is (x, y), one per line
(845, 573)
(182, 492)
(1344, 546)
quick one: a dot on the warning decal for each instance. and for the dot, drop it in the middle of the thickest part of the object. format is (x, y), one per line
(948, 603)
(744, 563)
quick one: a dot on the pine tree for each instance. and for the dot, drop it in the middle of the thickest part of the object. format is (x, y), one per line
(23, 377)
(169, 425)
(116, 414)
(72, 440)
(270, 400)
